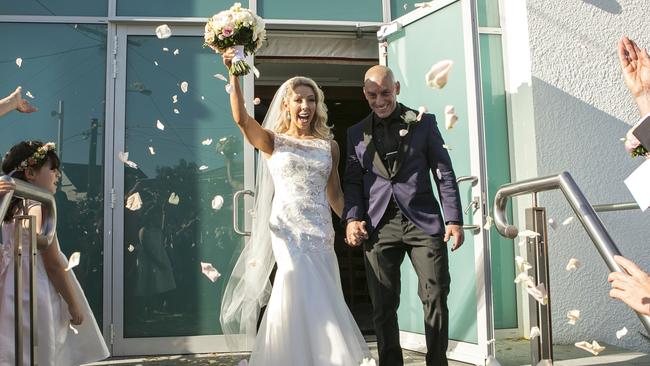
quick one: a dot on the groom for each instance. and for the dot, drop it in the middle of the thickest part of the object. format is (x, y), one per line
(390, 208)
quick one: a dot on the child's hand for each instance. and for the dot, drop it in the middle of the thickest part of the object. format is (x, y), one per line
(76, 314)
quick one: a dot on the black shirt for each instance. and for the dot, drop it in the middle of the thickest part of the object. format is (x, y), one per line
(385, 133)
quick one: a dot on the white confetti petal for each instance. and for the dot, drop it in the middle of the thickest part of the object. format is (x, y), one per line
(134, 202)
(403, 132)
(593, 347)
(528, 234)
(73, 329)
(202, 97)
(573, 264)
(423, 5)
(207, 142)
(537, 292)
(450, 117)
(621, 333)
(163, 31)
(228, 88)
(522, 264)
(438, 74)
(174, 99)
(255, 71)
(73, 261)
(152, 151)
(165, 49)
(203, 167)
(489, 221)
(217, 202)
(184, 86)
(176, 51)
(173, 199)
(567, 221)
(406, 5)
(552, 223)
(176, 111)
(19, 62)
(534, 332)
(210, 272)
(368, 362)
(29, 94)
(220, 77)
(124, 157)
(445, 146)
(155, 62)
(131, 248)
(257, 101)
(573, 316)
(523, 277)
(160, 125)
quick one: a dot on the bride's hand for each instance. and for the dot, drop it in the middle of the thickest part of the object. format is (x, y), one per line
(228, 56)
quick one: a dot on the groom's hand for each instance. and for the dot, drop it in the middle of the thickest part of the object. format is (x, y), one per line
(457, 232)
(355, 233)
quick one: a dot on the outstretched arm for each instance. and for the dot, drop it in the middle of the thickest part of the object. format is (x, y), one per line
(334, 192)
(635, 65)
(15, 101)
(257, 136)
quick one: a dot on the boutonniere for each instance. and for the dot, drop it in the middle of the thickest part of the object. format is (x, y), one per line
(410, 118)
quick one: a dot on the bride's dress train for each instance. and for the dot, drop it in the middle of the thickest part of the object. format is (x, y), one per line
(307, 322)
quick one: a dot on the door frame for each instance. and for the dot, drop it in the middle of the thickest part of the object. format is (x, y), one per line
(458, 350)
(114, 261)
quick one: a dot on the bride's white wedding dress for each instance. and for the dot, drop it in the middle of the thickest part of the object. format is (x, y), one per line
(307, 322)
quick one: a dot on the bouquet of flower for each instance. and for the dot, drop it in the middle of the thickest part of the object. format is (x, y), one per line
(239, 28)
(633, 145)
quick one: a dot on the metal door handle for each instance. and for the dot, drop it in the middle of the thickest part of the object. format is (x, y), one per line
(235, 211)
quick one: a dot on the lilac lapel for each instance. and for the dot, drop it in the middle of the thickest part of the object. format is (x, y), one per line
(371, 149)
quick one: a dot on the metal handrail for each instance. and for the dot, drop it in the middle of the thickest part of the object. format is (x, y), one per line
(580, 205)
(30, 191)
(624, 206)
(235, 211)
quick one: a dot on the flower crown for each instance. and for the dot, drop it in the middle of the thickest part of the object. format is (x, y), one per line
(39, 155)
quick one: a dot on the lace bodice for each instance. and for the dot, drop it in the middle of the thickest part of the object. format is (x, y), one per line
(301, 220)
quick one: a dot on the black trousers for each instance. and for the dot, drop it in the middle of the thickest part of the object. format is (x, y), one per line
(393, 238)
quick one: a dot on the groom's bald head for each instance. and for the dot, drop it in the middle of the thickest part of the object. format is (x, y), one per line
(381, 90)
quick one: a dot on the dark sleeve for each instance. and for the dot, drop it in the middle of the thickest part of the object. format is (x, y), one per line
(352, 185)
(443, 173)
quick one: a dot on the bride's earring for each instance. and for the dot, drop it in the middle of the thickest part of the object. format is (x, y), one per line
(288, 116)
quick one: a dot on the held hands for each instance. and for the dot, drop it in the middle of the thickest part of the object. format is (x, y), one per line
(635, 65)
(632, 286)
(355, 233)
(457, 232)
(227, 56)
(77, 316)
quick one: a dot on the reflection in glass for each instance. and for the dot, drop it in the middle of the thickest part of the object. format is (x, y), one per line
(54, 7)
(182, 168)
(338, 10)
(174, 8)
(67, 80)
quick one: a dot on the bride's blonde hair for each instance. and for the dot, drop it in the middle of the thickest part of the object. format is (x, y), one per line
(319, 126)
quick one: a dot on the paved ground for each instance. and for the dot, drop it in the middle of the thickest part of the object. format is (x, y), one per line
(509, 353)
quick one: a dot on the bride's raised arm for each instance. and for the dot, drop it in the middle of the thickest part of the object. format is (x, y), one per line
(257, 136)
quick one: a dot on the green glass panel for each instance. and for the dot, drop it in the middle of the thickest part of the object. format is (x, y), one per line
(67, 80)
(400, 7)
(488, 13)
(166, 240)
(174, 8)
(97, 8)
(498, 165)
(341, 10)
(410, 72)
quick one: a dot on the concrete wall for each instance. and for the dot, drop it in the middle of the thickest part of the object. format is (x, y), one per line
(569, 108)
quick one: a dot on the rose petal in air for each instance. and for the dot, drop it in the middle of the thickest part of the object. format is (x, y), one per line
(423, 5)
(165, 49)
(203, 167)
(173, 199)
(489, 221)
(184, 86)
(522, 264)
(403, 132)
(160, 125)
(528, 234)
(438, 74)
(29, 94)
(574, 316)
(256, 72)
(217, 202)
(257, 101)
(176, 51)
(163, 31)
(176, 111)
(174, 99)
(538, 292)
(19, 62)
(152, 151)
(220, 77)
(573, 264)
(446, 147)
(567, 221)
(131, 248)
(552, 223)
(210, 272)
(450, 117)
(228, 88)
(155, 62)
(621, 333)
(421, 110)
(73, 261)
(207, 142)
(534, 332)
(134, 202)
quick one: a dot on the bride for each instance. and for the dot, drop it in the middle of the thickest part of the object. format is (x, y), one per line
(307, 322)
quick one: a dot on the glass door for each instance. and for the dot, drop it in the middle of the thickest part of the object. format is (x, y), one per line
(413, 43)
(174, 245)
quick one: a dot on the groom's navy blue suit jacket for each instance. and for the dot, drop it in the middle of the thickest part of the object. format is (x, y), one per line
(369, 185)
